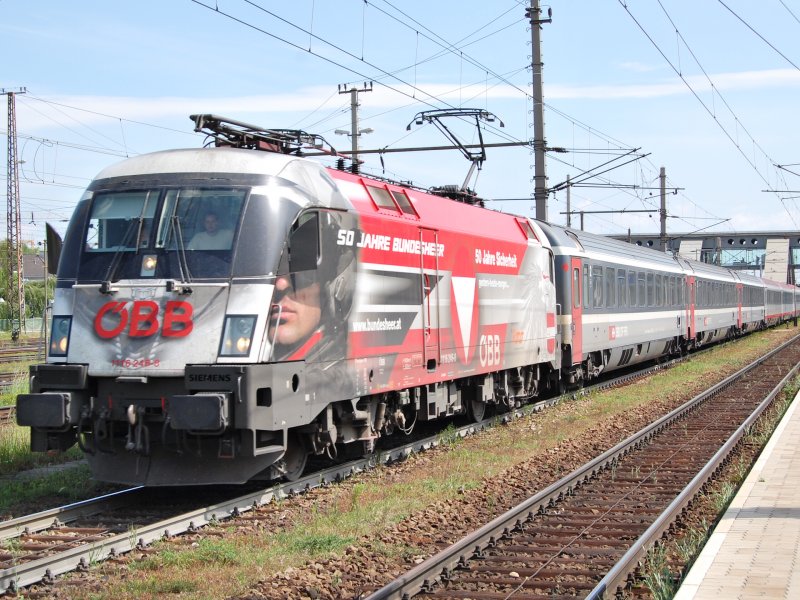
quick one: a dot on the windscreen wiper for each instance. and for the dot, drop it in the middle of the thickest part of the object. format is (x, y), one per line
(111, 273)
(183, 265)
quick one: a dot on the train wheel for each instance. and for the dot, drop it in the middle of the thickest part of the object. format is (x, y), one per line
(294, 459)
(476, 410)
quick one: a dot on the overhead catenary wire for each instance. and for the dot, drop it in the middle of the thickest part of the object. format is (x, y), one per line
(694, 92)
(419, 27)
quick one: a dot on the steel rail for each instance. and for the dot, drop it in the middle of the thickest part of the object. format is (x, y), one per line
(437, 568)
(7, 413)
(56, 517)
(46, 569)
(619, 576)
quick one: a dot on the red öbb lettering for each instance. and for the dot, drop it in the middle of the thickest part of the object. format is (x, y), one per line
(177, 319)
(144, 321)
(140, 318)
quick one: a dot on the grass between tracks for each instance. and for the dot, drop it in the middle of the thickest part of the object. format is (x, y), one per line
(229, 561)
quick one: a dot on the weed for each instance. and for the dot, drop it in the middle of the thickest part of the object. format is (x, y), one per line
(316, 544)
(16, 455)
(133, 532)
(355, 495)
(689, 545)
(658, 577)
(217, 552)
(448, 436)
(723, 497)
(68, 485)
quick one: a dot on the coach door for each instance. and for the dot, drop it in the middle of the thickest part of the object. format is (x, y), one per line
(577, 311)
(429, 267)
(691, 282)
(739, 299)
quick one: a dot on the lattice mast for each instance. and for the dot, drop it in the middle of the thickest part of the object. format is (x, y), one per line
(15, 290)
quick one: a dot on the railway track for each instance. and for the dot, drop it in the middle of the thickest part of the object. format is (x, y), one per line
(15, 354)
(37, 548)
(584, 535)
(25, 352)
(7, 414)
(7, 380)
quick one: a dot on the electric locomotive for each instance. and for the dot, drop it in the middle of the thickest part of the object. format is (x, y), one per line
(223, 313)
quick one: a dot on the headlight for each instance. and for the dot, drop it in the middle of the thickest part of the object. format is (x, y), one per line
(149, 263)
(59, 336)
(237, 335)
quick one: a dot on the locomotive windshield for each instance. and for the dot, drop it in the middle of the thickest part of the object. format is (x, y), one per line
(184, 232)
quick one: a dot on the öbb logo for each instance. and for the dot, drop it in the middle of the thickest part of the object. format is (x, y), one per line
(141, 319)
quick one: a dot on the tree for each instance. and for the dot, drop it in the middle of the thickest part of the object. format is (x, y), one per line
(34, 290)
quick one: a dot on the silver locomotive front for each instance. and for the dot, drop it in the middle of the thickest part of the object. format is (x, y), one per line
(162, 305)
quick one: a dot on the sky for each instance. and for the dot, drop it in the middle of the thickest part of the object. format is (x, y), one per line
(707, 90)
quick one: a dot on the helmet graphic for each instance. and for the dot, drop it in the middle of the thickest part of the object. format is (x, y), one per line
(315, 287)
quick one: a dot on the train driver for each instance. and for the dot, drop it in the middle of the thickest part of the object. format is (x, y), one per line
(213, 237)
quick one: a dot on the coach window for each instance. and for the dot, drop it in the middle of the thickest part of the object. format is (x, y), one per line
(640, 289)
(586, 286)
(622, 299)
(597, 286)
(611, 299)
(650, 294)
(659, 293)
(668, 290)
(632, 289)
(576, 288)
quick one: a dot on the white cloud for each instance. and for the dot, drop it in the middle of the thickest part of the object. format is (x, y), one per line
(305, 100)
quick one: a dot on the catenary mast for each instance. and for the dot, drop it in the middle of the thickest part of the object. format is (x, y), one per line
(15, 291)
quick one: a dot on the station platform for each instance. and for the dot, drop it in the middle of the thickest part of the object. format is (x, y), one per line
(754, 552)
